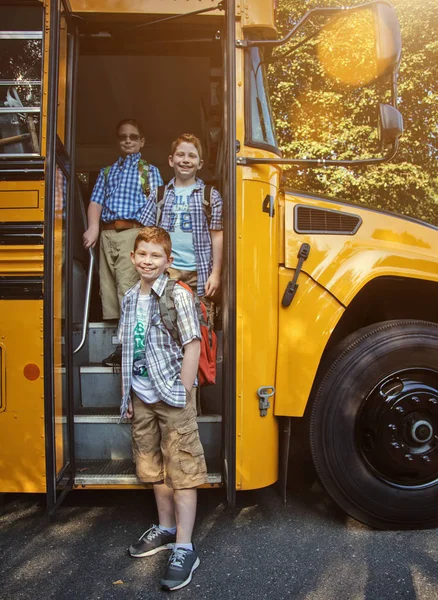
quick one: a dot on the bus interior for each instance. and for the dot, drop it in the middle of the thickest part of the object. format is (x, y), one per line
(168, 75)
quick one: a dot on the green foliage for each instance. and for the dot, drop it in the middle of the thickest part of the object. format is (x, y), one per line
(318, 115)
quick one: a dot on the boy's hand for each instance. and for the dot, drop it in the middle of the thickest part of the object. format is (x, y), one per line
(212, 284)
(130, 410)
(90, 237)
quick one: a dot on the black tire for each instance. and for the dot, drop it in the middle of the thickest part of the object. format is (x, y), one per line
(374, 426)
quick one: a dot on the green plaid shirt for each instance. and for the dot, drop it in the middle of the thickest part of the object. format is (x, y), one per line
(163, 356)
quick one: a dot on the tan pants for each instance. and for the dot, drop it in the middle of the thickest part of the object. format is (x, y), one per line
(116, 271)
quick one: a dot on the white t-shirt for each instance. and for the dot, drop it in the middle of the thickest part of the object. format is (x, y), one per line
(141, 384)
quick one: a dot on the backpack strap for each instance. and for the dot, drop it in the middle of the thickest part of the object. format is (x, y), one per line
(143, 170)
(166, 305)
(161, 195)
(207, 201)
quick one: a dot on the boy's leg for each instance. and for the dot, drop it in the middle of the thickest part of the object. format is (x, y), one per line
(185, 513)
(123, 277)
(107, 277)
(146, 451)
(125, 274)
(185, 469)
(164, 497)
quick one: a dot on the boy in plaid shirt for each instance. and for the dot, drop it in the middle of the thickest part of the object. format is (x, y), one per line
(197, 242)
(117, 200)
(158, 379)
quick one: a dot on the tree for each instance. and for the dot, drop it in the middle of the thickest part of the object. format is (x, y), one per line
(321, 111)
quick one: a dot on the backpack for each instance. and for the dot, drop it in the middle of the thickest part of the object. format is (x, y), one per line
(207, 358)
(207, 200)
(143, 171)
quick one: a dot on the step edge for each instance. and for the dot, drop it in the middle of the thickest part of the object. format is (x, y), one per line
(131, 479)
(115, 419)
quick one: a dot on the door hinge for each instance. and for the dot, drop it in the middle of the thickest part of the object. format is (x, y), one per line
(264, 393)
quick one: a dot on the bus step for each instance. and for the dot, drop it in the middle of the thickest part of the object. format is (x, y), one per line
(100, 386)
(102, 340)
(91, 473)
(99, 436)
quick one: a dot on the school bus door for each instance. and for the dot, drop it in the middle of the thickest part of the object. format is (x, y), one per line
(57, 293)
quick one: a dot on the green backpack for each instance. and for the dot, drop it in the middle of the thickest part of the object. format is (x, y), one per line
(143, 171)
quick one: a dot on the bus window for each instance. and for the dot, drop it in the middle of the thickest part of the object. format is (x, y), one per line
(261, 125)
(20, 80)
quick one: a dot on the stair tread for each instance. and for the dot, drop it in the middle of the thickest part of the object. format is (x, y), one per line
(99, 472)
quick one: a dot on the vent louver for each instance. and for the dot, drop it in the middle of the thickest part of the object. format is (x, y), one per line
(321, 220)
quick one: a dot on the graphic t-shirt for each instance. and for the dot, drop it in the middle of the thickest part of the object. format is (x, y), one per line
(141, 384)
(181, 231)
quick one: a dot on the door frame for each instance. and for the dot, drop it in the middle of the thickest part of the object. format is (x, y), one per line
(58, 484)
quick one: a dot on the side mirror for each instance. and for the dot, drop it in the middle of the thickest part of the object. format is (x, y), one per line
(387, 37)
(390, 124)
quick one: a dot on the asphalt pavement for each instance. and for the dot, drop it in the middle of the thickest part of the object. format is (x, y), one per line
(306, 550)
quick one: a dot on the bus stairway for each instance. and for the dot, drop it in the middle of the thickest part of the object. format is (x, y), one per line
(102, 443)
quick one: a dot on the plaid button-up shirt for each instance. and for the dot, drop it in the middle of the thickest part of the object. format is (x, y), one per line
(201, 233)
(163, 356)
(121, 193)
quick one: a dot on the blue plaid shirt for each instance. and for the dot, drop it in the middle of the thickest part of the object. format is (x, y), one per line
(121, 195)
(201, 233)
(163, 356)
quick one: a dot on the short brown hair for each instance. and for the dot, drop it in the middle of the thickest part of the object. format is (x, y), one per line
(190, 139)
(154, 235)
(132, 122)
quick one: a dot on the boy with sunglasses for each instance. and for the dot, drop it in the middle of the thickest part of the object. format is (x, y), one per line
(117, 200)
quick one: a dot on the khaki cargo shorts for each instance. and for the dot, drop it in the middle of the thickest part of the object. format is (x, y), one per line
(166, 445)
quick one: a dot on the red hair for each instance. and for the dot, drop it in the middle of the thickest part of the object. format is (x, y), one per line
(190, 139)
(154, 235)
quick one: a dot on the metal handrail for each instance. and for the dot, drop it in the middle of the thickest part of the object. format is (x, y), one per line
(86, 302)
(89, 279)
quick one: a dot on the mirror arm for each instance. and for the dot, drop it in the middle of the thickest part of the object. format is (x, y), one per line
(317, 162)
(315, 11)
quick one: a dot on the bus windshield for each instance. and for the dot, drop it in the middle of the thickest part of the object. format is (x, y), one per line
(261, 125)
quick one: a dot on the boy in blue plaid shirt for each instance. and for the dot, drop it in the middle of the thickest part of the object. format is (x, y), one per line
(158, 379)
(197, 242)
(117, 201)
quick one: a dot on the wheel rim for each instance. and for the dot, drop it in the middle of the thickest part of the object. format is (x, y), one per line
(397, 428)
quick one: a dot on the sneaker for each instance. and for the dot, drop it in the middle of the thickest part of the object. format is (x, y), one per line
(114, 359)
(152, 541)
(180, 569)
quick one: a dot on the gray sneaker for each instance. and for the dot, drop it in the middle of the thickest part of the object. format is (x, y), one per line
(152, 541)
(180, 569)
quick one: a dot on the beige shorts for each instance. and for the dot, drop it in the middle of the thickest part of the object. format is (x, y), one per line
(166, 445)
(116, 271)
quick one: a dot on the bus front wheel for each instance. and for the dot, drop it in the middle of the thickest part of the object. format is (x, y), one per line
(374, 425)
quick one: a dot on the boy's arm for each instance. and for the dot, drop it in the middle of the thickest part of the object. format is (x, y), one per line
(91, 235)
(189, 367)
(217, 242)
(148, 214)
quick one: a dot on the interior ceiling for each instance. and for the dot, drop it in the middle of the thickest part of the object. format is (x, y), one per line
(164, 93)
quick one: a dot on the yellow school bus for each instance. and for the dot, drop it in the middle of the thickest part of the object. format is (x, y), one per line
(329, 313)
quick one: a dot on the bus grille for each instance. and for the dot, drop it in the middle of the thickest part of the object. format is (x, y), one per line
(321, 220)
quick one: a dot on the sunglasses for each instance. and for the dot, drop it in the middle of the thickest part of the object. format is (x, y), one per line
(134, 137)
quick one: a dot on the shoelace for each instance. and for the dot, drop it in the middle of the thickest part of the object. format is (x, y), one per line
(177, 558)
(151, 533)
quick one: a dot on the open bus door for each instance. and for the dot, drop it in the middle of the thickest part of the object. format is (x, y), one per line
(229, 269)
(58, 339)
